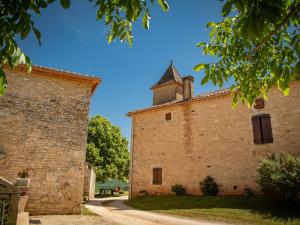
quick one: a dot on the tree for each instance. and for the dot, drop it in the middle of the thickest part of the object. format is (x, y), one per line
(15, 20)
(256, 45)
(107, 150)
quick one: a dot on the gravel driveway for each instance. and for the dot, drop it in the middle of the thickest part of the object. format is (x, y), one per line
(114, 210)
(69, 220)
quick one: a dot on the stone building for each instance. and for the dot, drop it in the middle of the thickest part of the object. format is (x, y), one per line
(43, 129)
(183, 138)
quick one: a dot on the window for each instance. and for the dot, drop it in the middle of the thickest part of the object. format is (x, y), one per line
(262, 130)
(157, 176)
(168, 116)
(259, 103)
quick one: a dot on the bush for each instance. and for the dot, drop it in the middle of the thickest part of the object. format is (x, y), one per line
(209, 187)
(279, 176)
(178, 189)
(248, 192)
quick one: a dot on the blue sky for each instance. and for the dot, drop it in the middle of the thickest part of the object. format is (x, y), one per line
(73, 40)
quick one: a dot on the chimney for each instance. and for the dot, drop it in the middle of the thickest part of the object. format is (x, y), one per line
(188, 87)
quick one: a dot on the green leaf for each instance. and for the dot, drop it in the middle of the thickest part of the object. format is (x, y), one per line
(286, 92)
(283, 86)
(164, 5)
(200, 44)
(37, 35)
(297, 69)
(146, 18)
(227, 8)
(25, 32)
(199, 67)
(3, 82)
(205, 79)
(234, 100)
(65, 3)
(210, 24)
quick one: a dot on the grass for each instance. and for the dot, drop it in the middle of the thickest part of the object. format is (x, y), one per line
(239, 210)
(86, 212)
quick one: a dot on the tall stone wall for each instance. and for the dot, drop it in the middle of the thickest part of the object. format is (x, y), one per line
(209, 138)
(43, 128)
(89, 181)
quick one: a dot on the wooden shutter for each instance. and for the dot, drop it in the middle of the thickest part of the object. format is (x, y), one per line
(157, 176)
(257, 132)
(266, 128)
(154, 181)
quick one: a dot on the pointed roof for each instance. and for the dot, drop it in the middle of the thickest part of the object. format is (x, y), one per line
(171, 75)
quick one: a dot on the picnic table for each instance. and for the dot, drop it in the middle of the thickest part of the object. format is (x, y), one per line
(109, 191)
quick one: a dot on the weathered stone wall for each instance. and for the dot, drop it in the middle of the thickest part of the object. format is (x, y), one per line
(209, 138)
(43, 128)
(89, 181)
(167, 93)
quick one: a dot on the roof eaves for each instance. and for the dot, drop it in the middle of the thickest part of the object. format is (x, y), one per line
(201, 97)
(46, 71)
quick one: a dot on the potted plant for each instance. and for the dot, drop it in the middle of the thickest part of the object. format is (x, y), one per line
(23, 179)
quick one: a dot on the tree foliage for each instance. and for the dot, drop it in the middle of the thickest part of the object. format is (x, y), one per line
(257, 45)
(107, 150)
(16, 21)
(279, 176)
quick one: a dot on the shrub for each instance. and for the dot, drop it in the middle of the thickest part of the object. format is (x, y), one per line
(279, 176)
(178, 189)
(248, 192)
(209, 187)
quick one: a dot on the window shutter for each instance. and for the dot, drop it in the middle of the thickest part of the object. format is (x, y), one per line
(266, 128)
(159, 176)
(154, 176)
(257, 132)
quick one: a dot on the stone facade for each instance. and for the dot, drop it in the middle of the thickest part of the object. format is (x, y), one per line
(205, 136)
(43, 128)
(89, 181)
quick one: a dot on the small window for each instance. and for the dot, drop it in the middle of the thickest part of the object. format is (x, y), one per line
(168, 116)
(157, 176)
(262, 129)
(259, 103)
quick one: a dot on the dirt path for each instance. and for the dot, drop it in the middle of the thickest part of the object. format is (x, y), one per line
(69, 220)
(114, 210)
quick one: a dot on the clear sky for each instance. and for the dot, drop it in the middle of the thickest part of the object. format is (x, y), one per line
(73, 40)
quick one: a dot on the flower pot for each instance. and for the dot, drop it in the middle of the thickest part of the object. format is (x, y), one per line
(24, 182)
(22, 203)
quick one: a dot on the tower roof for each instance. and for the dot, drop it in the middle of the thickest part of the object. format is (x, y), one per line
(171, 75)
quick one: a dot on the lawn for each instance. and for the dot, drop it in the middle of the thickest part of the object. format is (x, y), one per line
(86, 212)
(239, 210)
